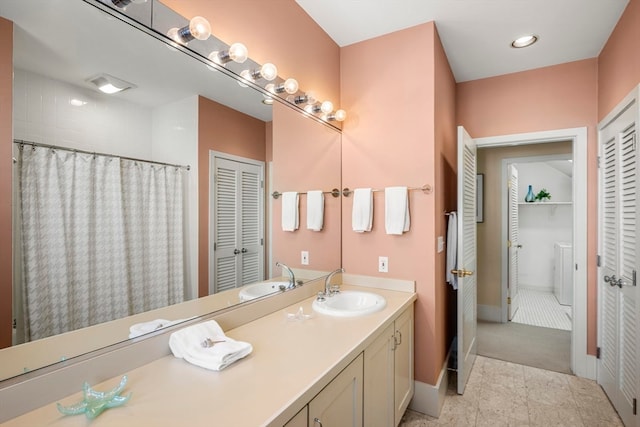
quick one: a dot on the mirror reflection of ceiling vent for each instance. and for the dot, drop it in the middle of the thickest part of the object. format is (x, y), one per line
(108, 84)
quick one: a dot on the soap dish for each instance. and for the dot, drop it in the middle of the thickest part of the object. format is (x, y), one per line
(299, 315)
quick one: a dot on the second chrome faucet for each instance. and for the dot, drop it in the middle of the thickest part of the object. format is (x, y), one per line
(292, 277)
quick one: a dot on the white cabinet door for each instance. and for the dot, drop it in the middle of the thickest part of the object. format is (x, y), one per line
(403, 358)
(300, 420)
(340, 402)
(618, 368)
(379, 381)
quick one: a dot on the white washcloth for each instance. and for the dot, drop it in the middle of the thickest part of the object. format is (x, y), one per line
(362, 213)
(396, 210)
(452, 249)
(290, 211)
(221, 352)
(315, 210)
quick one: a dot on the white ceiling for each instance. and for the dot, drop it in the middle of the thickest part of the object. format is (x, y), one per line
(477, 34)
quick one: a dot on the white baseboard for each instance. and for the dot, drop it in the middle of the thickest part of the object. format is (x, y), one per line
(428, 399)
(537, 288)
(489, 313)
(591, 371)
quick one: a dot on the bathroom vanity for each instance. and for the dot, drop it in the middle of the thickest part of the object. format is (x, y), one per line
(300, 373)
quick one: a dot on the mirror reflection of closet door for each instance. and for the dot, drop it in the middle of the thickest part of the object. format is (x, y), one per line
(514, 244)
(237, 222)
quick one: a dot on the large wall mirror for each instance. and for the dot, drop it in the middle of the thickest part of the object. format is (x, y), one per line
(178, 112)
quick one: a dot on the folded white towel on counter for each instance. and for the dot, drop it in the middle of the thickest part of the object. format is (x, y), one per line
(315, 210)
(396, 210)
(206, 345)
(290, 211)
(362, 213)
(146, 327)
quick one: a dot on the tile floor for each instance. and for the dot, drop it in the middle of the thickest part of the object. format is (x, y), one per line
(542, 309)
(506, 394)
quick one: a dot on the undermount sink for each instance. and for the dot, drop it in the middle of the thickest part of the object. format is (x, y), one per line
(350, 304)
(261, 289)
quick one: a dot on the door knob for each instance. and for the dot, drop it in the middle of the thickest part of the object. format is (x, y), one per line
(462, 273)
(244, 250)
(519, 246)
(236, 252)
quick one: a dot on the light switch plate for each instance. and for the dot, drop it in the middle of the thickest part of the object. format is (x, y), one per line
(383, 264)
(440, 244)
(304, 257)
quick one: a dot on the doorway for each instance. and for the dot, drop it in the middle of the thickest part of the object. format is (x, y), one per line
(493, 306)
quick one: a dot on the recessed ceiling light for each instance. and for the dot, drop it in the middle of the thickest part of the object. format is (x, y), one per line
(109, 84)
(524, 41)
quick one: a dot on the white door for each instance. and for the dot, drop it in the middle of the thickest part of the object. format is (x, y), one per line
(513, 244)
(237, 211)
(618, 299)
(467, 286)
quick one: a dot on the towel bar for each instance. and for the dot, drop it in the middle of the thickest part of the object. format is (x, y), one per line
(335, 193)
(427, 189)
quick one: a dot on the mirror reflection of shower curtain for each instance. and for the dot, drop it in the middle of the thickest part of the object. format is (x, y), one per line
(102, 238)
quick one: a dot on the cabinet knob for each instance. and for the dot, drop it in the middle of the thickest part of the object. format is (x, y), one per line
(317, 421)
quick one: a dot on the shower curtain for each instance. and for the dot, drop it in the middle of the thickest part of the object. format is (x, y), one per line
(102, 238)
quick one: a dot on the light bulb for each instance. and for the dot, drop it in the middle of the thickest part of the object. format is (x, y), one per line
(271, 88)
(238, 52)
(291, 85)
(245, 76)
(173, 35)
(340, 115)
(326, 107)
(269, 71)
(311, 97)
(312, 108)
(214, 57)
(199, 28)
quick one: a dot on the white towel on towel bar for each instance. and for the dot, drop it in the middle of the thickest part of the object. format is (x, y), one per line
(362, 212)
(290, 211)
(315, 210)
(219, 352)
(396, 210)
(452, 249)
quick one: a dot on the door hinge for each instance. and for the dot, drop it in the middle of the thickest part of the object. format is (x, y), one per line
(633, 276)
(508, 300)
(598, 162)
(261, 242)
(598, 353)
(635, 406)
(508, 243)
(215, 246)
(509, 183)
(599, 260)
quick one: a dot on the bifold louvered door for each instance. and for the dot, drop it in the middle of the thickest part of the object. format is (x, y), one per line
(514, 243)
(238, 224)
(618, 300)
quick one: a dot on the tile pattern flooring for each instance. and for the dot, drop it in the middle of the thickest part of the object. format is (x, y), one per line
(506, 394)
(542, 309)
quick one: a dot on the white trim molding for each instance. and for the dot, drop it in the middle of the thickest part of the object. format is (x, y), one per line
(428, 399)
(579, 359)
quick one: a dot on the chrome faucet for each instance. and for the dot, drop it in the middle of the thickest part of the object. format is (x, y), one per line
(327, 282)
(292, 277)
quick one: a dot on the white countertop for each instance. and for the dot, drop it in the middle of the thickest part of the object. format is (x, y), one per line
(291, 362)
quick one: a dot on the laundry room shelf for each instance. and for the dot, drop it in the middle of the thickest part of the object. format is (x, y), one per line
(544, 203)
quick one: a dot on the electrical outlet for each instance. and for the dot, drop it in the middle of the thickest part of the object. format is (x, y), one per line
(440, 244)
(304, 257)
(383, 264)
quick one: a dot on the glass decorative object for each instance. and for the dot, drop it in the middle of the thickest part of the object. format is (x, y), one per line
(530, 197)
(94, 402)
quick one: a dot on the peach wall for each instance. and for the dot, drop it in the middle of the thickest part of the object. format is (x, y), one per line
(277, 31)
(556, 97)
(6, 145)
(619, 62)
(306, 157)
(222, 129)
(389, 139)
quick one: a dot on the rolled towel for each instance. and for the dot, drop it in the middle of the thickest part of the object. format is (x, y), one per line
(206, 345)
(362, 212)
(315, 210)
(396, 210)
(290, 211)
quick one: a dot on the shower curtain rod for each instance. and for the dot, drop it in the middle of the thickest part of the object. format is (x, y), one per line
(55, 147)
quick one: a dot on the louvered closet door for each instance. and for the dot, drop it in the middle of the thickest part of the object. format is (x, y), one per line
(238, 230)
(467, 257)
(618, 365)
(514, 245)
